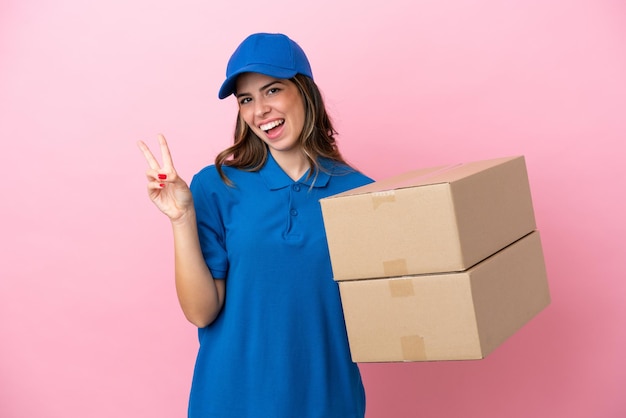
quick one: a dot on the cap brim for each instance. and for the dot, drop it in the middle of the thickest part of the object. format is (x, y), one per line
(228, 87)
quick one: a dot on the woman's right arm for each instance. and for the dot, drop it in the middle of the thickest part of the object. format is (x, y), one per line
(201, 297)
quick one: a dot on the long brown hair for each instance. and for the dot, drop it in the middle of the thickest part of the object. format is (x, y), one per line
(317, 139)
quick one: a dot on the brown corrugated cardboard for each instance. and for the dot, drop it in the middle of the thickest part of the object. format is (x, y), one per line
(452, 316)
(431, 220)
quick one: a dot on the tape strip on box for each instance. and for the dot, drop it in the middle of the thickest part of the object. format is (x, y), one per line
(380, 198)
(413, 348)
(397, 267)
(400, 288)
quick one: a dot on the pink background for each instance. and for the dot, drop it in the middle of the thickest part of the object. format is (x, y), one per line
(89, 322)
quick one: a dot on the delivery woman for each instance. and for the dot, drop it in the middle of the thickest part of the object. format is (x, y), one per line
(252, 268)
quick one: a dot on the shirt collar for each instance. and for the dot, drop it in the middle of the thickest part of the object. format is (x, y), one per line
(275, 178)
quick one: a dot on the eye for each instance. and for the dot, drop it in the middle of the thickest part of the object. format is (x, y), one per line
(272, 90)
(244, 100)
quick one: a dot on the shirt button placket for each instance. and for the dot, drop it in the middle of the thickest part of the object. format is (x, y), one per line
(291, 233)
(296, 188)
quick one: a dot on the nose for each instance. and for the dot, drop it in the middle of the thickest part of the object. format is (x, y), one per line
(261, 108)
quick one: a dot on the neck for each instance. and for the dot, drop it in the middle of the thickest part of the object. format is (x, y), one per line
(294, 164)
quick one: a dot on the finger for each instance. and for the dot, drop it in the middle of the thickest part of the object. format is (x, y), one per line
(155, 185)
(158, 175)
(152, 162)
(165, 154)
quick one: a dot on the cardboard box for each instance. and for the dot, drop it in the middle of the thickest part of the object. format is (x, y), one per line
(451, 316)
(432, 220)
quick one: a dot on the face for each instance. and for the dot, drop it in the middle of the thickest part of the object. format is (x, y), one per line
(274, 109)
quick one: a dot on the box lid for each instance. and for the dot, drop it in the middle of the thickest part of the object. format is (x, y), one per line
(427, 176)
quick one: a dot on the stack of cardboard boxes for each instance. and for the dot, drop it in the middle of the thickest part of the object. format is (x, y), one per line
(443, 263)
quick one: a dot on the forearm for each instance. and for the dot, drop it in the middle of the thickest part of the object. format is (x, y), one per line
(200, 296)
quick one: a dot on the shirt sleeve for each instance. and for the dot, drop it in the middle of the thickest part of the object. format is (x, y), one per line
(210, 223)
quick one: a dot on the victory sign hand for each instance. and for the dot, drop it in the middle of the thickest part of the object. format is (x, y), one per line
(166, 189)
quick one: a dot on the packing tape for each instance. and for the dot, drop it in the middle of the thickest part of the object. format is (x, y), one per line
(413, 348)
(380, 198)
(400, 288)
(395, 267)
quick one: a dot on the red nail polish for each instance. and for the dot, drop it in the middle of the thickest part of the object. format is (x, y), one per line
(161, 185)
(162, 176)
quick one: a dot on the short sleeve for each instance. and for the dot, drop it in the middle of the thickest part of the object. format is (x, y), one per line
(206, 200)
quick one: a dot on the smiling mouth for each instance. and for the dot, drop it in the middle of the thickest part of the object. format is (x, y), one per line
(271, 125)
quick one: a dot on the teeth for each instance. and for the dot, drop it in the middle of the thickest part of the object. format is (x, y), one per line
(266, 127)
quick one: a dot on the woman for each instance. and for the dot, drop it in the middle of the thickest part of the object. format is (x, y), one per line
(251, 261)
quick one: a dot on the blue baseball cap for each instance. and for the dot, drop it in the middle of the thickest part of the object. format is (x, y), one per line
(272, 54)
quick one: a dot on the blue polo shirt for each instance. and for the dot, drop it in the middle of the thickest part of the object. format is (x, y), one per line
(279, 347)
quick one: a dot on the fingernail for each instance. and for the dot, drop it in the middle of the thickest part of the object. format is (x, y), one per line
(161, 185)
(162, 176)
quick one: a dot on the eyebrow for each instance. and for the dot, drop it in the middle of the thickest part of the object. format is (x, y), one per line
(260, 89)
